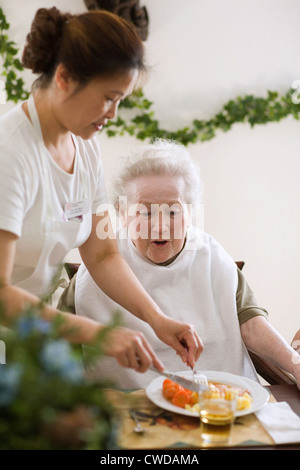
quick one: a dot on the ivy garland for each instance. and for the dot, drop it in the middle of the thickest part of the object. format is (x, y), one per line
(250, 109)
(144, 125)
(14, 86)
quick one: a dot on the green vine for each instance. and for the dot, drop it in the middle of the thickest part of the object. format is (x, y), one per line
(144, 125)
(14, 86)
(250, 109)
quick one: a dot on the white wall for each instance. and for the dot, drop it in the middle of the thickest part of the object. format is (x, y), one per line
(203, 53)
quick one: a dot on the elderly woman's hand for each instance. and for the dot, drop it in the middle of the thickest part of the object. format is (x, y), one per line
(130, 349)
(180, 336)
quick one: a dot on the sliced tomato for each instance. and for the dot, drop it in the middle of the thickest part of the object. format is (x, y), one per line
(170, 390)
(181, 398)
(166, 383)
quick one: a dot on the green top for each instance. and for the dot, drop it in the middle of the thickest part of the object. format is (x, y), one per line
(246, 303)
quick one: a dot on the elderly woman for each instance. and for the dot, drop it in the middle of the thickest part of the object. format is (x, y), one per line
(186, 271)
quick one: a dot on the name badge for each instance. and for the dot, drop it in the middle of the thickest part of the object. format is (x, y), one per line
(76, 210)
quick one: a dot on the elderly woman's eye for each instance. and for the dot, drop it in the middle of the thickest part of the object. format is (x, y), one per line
(175, 212)
(145, 214)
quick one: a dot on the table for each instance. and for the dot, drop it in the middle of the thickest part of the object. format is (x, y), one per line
(288, 393)
(167, 430)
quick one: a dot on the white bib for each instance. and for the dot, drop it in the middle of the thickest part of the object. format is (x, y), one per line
(199, 287)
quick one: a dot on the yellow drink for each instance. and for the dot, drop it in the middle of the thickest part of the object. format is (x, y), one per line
(216, 417)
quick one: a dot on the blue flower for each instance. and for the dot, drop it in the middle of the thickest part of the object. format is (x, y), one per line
(72, 371)
(56, 356)
(10, 377)
(28, 325)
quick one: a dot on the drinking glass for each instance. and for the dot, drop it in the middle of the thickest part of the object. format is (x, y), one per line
(216, 416)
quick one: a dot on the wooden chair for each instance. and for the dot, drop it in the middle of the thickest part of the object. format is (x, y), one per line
(273, 374)
(71, 269)
(240, 264)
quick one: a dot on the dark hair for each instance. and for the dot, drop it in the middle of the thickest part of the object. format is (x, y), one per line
(89, 45)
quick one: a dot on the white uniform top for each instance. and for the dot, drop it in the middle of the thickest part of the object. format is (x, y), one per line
(33, 194)
(198, 287)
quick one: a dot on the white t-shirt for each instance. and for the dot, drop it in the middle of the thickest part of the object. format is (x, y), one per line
(22, 192)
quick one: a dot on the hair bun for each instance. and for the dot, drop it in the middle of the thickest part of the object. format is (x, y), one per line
(42, 42)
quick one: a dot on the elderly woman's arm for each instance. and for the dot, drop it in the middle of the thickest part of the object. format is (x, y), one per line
(113, 275)
(261, 338)
(296, 341)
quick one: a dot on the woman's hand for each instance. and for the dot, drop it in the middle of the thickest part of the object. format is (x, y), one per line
(130, 349)
(180, 336)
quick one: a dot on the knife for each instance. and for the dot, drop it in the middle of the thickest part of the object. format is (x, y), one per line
(186, 383)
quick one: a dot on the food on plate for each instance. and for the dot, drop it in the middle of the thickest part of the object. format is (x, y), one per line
(179, 395)
(184, 398)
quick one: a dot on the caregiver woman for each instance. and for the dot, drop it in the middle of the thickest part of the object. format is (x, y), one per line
(51, 180)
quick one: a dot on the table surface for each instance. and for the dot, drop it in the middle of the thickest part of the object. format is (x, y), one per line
(288, 393)
(253, 435)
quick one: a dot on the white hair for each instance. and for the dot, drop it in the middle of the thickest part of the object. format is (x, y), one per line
(163, 157)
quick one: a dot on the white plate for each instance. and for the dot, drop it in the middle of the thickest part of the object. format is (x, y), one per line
(259, 394)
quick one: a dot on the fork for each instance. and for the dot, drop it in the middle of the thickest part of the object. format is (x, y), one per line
(198, 378)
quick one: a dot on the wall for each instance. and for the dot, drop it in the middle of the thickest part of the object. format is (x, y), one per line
(203, 53)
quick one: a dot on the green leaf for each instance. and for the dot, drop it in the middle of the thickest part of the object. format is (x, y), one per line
(14, 86)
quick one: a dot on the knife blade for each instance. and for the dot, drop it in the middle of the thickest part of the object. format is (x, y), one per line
(186, 383)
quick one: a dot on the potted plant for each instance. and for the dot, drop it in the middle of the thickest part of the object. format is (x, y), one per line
(46, 401)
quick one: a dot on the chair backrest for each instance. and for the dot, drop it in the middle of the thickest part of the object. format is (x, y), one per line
(71, 269)
(273, 374)
(267, 370)
(240, 264)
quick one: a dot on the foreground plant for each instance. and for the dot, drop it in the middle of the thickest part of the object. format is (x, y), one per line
(46, 402)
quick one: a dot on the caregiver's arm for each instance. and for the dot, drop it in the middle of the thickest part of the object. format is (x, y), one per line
(113, 275)
(121, 343)
(261, 338)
